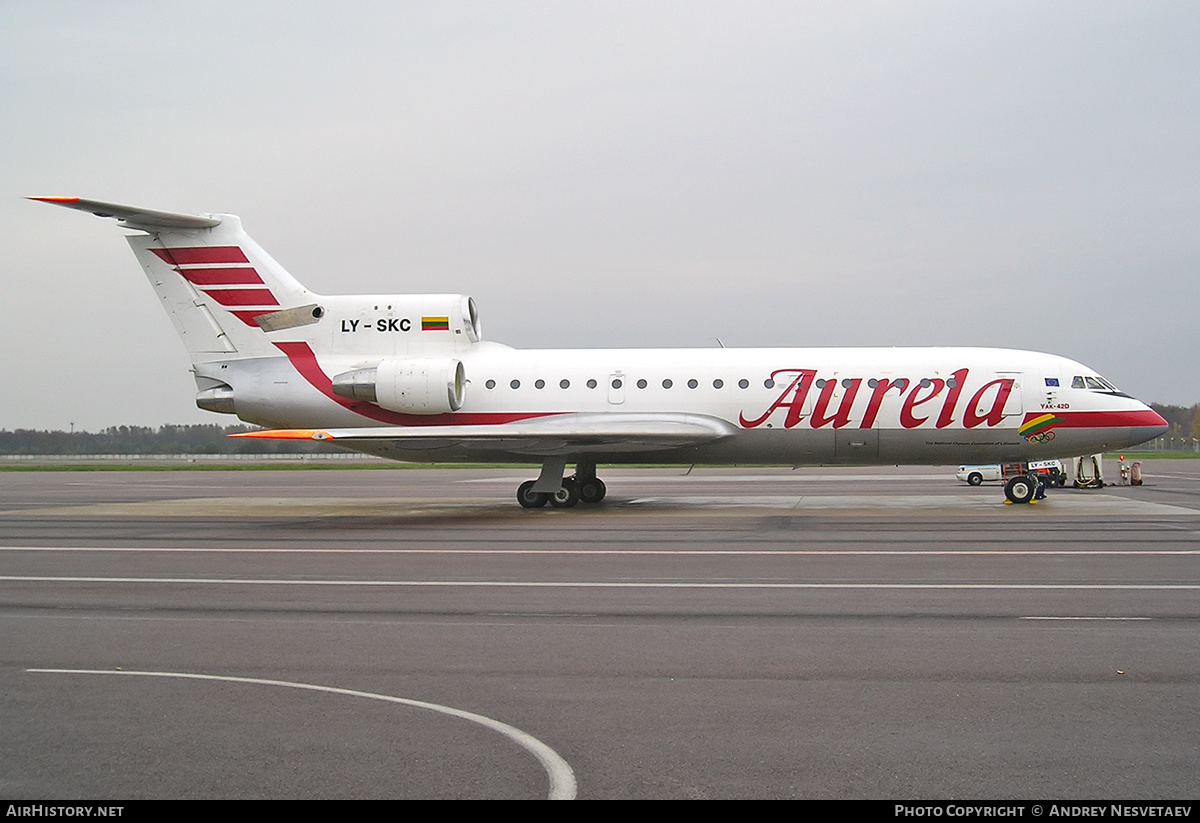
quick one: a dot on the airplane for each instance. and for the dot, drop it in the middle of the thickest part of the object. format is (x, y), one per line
(410, 377)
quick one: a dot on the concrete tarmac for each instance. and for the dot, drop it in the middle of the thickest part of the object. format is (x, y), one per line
(728, 633)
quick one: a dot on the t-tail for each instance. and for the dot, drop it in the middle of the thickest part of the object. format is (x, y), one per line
(251, 329)
(221, 290)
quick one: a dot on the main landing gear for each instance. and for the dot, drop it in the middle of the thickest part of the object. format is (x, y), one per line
(562, 492)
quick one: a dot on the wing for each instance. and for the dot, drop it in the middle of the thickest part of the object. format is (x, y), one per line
(557, 435)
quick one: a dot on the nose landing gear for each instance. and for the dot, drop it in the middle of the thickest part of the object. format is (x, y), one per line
(1025, 488)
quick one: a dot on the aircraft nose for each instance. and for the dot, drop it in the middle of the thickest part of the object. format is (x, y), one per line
(1150, 424)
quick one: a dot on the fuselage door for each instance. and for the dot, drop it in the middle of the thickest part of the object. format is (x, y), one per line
(616, 389)
(1015, 404)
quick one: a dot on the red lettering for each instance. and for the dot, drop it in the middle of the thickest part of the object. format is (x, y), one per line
(800, 382)
(882, 387)
(973, 418)
(907, 419)
(947, 415)
(792, 398)
(841, 417)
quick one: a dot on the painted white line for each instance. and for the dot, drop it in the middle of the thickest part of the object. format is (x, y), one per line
(659, 479)
(1059, 505)
(562, 778)
(585, 584)
(1034, 617)
(631, 552)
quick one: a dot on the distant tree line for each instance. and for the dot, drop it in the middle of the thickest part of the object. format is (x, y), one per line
(197, 439)
(1184, 420)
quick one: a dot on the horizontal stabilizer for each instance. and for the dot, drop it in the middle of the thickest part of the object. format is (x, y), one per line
(133, 217)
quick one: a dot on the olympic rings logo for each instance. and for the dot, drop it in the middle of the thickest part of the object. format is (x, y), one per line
(1040, 437)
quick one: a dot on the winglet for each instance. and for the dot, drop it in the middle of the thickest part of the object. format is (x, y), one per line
(133, 217)
(286, 434)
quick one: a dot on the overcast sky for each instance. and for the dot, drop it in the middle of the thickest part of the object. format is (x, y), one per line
(608, 174)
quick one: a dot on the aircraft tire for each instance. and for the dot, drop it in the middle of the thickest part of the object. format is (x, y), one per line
(566, 496)
(1020, 489)
(974, 479)
(592, 491)
(528, 498)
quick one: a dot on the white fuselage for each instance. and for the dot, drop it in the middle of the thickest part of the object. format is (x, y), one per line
(788, 406)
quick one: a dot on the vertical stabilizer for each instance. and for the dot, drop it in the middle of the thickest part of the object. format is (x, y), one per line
(221, 290)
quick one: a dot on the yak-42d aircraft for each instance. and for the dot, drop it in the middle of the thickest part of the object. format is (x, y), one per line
(409, 376)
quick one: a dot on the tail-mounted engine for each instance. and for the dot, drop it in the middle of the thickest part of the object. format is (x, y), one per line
(408, 385)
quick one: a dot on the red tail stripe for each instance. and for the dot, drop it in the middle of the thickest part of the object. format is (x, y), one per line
(243, 297)
(221, 277)
(201, 254)
(247, 317)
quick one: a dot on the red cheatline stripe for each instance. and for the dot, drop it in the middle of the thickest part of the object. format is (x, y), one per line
(201, 254)
(233, 276)
(1109, 419)
(242, 297)
(304, 361)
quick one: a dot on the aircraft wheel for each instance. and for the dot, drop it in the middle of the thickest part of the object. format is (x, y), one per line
(1020, 489)
(592, 491)
(528, 498)
(566, 496)
(974, 478)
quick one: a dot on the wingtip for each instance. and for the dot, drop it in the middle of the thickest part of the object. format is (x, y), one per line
(54, 199)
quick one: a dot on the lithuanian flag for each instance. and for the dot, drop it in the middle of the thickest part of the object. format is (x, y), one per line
(435, 324)
(1036, 423)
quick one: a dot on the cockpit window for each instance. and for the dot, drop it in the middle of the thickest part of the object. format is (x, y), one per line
(1094, 382)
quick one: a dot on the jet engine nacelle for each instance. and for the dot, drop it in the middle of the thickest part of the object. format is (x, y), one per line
(408, 385)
